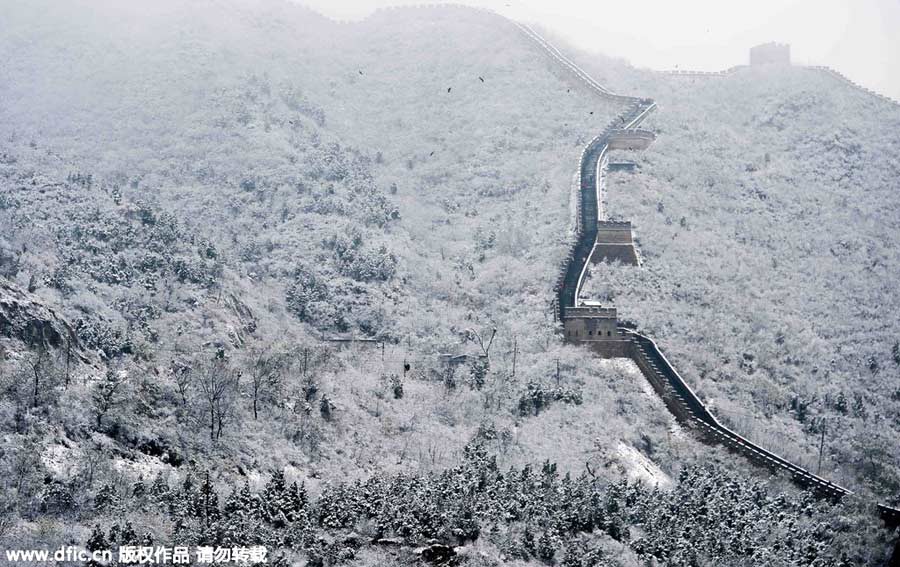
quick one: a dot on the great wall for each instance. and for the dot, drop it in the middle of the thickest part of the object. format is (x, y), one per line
(597, 327)
(595, 239)
(818, 68)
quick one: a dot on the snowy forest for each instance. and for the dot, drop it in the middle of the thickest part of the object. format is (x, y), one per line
(271, 279)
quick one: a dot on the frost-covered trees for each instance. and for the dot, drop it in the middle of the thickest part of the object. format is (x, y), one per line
(354, 259)
(108, 393)
(538, 397)
(553, 518)
(309, 297)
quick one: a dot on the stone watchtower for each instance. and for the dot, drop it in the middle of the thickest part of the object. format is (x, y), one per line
(614, 242)
(769, 53)
(596, 326)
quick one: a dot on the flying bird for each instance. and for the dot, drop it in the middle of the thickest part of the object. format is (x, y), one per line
(360, 72)
(432, 153)
(481, 79)
(448, 89)
(592, 112)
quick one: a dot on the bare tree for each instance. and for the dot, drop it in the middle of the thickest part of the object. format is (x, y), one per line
(24, 463)
(67, 355)
(39, 364)
(265, 368)
(476, 337)
(15, 385)
(183, 378)
(217, 383)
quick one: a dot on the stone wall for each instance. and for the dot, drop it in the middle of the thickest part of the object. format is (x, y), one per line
(691, 73)
(631, 139)
(614, 243)
(841, 77)
(597, 328)
(590, 324)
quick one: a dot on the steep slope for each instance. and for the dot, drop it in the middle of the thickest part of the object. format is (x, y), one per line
(194, 215)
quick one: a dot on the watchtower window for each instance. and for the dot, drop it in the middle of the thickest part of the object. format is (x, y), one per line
(608, 333)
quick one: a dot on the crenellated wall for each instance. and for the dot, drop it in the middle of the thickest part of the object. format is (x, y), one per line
(689, 73)
(818, 68)
(839, 76)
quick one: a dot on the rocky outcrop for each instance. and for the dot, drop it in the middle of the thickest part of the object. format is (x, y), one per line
(25, 317)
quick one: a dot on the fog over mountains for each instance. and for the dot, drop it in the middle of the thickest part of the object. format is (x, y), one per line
(267, 279)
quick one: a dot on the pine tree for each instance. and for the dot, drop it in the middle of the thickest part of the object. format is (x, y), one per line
(478, 373)
(575, 554)
(159, 491)
(276, 499)
(275, 488)
(97, 541)
(128, 536)
(249, 502)
(528, 542)
(232, 507)
(208, 503)
(238, 517)
(546, 548)
(105, 498)
(297, 502)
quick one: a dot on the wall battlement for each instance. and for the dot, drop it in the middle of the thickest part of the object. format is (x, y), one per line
(692, 73)
(591, 312)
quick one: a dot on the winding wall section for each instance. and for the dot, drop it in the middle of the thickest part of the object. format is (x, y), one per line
(679, 398)
(594, 159)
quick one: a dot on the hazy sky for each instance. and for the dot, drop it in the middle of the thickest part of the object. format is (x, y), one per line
(860, 38)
